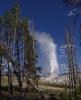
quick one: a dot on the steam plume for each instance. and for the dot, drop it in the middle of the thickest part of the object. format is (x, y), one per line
(49, 48)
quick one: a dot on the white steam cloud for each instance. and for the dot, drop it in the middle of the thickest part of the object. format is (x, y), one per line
(49, 48)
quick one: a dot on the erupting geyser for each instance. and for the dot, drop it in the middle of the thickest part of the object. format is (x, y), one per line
(49, 48)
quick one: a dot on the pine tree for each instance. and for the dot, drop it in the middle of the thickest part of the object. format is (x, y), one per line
(7, 26)
(16, 36)
(29, 50)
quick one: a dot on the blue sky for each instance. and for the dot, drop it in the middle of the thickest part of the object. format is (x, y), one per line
(49, 16)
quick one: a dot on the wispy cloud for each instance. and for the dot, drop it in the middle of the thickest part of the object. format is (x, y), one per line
(72, 12)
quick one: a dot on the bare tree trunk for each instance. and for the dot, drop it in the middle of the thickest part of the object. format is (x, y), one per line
(10, 86)
(0, 72)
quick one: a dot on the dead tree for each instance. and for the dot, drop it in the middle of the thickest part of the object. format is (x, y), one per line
(73, 68)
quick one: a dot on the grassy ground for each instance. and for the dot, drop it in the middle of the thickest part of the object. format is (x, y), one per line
(46, 88)
(42, 85)
(50, 87)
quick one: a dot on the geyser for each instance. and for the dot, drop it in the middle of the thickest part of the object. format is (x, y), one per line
(49, 50)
